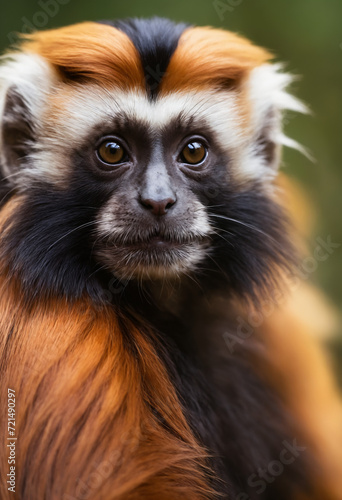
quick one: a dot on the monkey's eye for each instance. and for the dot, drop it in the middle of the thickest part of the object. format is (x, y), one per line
(111, 152)
(193, 153)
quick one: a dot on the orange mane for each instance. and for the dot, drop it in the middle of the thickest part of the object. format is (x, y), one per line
(107, 55)
(206, 55)
(91, 50)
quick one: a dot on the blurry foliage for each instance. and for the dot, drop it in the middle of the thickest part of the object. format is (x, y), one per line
(306, 34)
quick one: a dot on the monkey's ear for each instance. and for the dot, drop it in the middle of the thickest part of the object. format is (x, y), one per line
(266, 87)
(17, 132)
(24, 83)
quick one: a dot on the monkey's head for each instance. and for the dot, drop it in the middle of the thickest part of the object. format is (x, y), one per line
(143, 148)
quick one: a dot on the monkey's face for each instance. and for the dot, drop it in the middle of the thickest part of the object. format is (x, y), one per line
(154, 223)
(143, 182)
(160, 165)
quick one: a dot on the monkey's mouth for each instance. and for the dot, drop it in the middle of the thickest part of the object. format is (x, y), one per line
(153, 256)
(157, 242)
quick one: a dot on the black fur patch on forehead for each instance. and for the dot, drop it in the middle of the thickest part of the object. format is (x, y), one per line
(156, 39)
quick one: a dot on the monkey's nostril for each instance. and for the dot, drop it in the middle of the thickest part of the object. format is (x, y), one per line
(169, 204)
(158, 207)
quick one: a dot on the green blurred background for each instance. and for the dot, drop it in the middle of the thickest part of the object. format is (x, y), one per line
(306, 34)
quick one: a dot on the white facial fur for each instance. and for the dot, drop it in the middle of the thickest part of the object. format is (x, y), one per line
(65, 114)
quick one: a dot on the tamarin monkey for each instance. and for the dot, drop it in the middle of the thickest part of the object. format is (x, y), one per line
(153, 344)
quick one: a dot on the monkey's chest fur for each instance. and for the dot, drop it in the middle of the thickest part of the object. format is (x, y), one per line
(117, 406)
(233, 410)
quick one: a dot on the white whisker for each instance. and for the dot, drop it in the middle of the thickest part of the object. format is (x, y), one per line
(72, 231)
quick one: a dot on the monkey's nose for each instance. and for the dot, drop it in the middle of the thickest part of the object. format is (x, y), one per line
(158, 207)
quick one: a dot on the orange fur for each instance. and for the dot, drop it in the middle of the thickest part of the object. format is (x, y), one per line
(206, 56)
(103, 53)
(93, 393)
(90, 50)
(295, 364)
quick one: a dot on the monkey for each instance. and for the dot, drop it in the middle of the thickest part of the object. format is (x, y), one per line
(144, 233)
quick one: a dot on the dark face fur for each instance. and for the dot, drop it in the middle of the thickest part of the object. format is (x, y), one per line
(155, 223)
